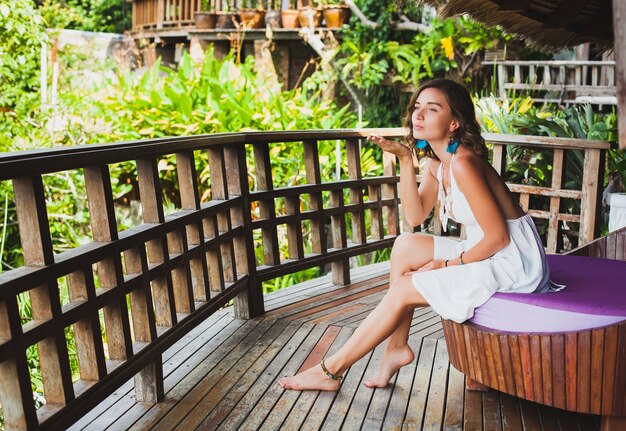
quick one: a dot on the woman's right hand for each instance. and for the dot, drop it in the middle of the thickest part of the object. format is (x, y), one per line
(393, 147)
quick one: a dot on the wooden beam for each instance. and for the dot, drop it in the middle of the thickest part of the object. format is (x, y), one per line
(564, 14)
(598, 26)
(513, 5)
(619, 22)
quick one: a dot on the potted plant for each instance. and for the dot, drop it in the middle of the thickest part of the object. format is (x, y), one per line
(226, 16)
(206, 18)
(272, 16)
(252, 14)
(289, 17)
(335, 13)
(310, 15)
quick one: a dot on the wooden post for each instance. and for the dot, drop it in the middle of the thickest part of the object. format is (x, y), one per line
(390, 191)
(353, 153)
(555, 201)
(190, 200)
(313, 176)
(593, 171)
(341, 268)
(267, 208)
(16, 395)
(215, 257)
(249, 304)
(45, 302)
(619, 29)
(149, 382)
(104, 229)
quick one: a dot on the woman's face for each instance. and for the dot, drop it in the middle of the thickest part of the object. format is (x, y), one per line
(432, 117)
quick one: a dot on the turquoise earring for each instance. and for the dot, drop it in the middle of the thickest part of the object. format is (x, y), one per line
(421, 144)
(453, 144)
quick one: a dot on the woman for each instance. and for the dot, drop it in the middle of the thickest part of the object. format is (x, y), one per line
(502, 252)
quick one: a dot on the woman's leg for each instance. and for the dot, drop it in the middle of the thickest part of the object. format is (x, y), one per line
(408, 254)
(379, 325)
(392, 314)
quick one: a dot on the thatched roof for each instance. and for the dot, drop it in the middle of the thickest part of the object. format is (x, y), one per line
(546, 24)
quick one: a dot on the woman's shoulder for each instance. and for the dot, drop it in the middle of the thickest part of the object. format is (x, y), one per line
(432, 165)
(468, 163)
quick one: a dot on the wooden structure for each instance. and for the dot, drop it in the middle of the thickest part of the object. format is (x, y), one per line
(148, 286)
(223, 374)
(561, 82)
(557, 24)
(582, 371)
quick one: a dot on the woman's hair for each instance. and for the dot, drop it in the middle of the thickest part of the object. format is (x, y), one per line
(468, 133)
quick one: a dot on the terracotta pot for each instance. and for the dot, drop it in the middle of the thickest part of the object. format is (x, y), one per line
(225, 20)
(272, 18)
(336, 16)
(205, 20)
(251, 18)
(310, 17)
(289, 17)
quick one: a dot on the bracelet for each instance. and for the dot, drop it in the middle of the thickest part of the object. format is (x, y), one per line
(461, 258)
(446, 263)
(328, 373)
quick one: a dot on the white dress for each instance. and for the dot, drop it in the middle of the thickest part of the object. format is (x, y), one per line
(520, 267)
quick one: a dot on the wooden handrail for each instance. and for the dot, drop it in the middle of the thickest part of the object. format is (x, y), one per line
(153, 282)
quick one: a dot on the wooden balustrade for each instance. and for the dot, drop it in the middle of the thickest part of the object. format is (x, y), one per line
(147, 286)
(563, 82)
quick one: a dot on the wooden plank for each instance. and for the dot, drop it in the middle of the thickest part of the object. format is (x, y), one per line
(597, 363)
(492, 420)
(360, 405)
(195, 352)
(526, 362)
(530, 416)
(342, 400)
(583, 385)
(473, 411)
(419, 392)
(558, 370)
(537, 375)
(546, 369)
(511, 416)
(548, 418)
(571, 367)
(317, 407)
(399, 402)
(455, 397)
(243, 375)
(190, 393)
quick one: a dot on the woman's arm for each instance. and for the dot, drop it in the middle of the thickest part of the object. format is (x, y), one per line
(485, 207)
(416, 204)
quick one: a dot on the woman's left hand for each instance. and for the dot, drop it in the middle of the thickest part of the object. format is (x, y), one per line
(433, 264)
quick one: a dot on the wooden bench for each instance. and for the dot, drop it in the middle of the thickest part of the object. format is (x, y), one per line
(581, 370)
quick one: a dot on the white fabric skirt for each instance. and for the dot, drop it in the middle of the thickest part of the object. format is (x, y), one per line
(455, 291)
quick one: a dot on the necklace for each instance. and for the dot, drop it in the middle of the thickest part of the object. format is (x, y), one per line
(445, 201)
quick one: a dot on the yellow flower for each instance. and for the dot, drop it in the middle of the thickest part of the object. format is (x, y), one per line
(446, 45)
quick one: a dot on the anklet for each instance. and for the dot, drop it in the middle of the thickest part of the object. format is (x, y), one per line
(329, 374)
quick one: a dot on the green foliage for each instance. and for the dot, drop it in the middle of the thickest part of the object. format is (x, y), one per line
(22, 33)
(112, 16)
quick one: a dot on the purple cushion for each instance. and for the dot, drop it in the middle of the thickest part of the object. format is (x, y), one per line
(595, 296)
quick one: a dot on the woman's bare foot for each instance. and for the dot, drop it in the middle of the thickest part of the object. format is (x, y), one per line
(313, 379)
(392, 361)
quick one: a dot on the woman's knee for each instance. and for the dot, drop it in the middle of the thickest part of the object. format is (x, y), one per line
(402, 292)
(408, 244)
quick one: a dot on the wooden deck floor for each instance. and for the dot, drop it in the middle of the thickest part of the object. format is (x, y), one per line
(223, 375)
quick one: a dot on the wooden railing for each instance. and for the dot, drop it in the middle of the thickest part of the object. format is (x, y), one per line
(563, 82)
(158, 14)
(147, 286)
